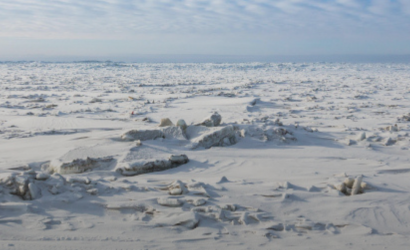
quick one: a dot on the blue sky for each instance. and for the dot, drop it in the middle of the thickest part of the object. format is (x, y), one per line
(109, 28)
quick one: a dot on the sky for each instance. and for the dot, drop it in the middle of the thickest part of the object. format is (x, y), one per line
(97, 29)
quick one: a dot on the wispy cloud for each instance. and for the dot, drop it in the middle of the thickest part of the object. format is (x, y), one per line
(113, 27)
(112, 19)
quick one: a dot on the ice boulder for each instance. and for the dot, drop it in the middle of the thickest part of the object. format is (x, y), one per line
(169, 202)
(170, 132)
(22, 185)
(393, 128)
(389, 141)
(143, 167)
(34, 191)
(213, 121)
(165, 122)
(176, 188)
(178, 159)
(78, 165)
(405, 118)
(356, 188)
(351, 186)
(94, 100)
(174, 133)
(361, 136)
(189, 220)
(216, 137)
(142, 135)
(181, 123)
(42, 176)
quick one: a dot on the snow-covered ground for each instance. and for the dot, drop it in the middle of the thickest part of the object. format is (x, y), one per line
(274, 156)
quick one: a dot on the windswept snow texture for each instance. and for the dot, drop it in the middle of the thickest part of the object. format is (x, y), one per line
(281, 156)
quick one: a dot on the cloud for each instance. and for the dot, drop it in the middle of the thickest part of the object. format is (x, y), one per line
(404, 6)
(381, 7)
(141, 19)
(350, 3)
(126, 17)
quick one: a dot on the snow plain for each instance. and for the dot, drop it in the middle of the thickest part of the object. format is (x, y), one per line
(75, 138)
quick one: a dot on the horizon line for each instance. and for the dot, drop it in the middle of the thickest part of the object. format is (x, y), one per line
(212, 58)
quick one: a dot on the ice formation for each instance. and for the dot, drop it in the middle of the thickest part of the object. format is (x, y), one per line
(137, 168)
(221, 136)
(351, 186)
(165, 122)
(142, 135)
(170, 202)
(213, 121)
(181, 123)
(169, 132)
(77, 165)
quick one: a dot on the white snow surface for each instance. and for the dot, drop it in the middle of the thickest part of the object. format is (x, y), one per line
(269, 176)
